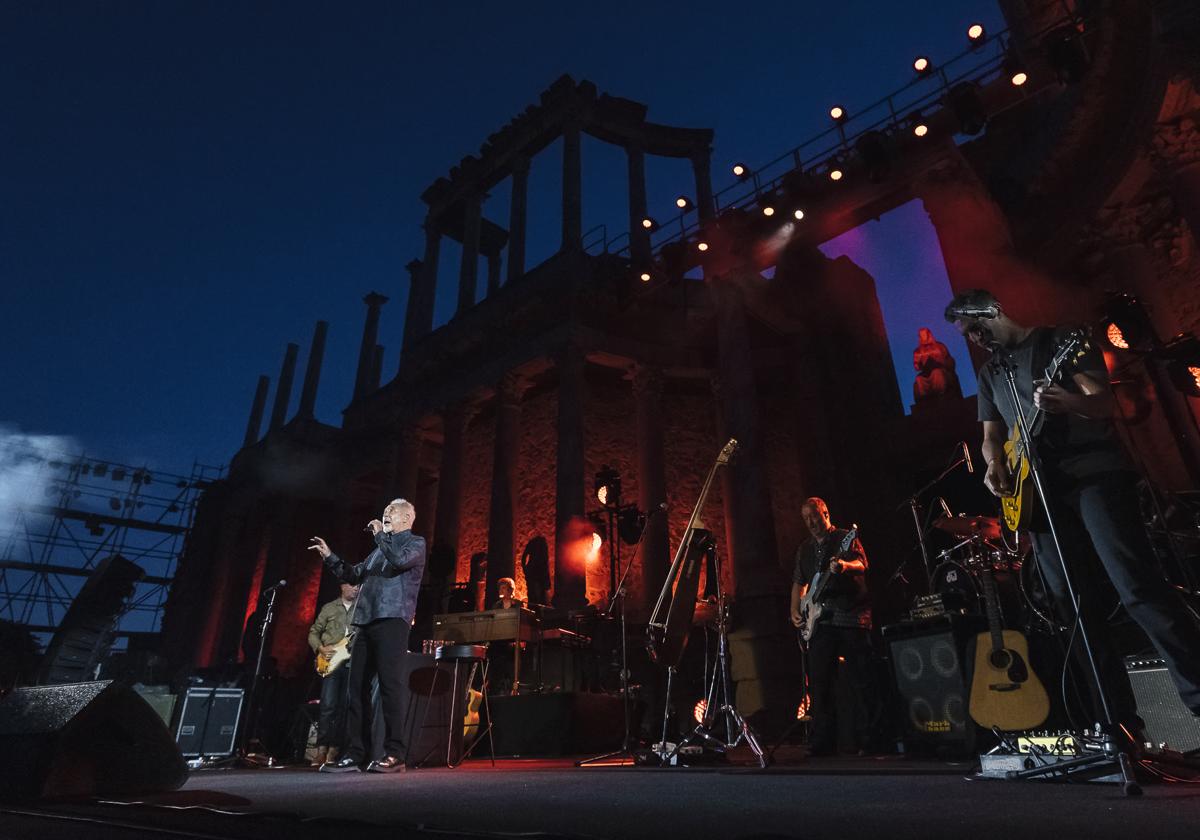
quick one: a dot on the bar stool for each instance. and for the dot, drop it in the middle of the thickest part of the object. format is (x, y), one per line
(433, 681)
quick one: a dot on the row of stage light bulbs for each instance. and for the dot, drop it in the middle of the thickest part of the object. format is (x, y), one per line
(922, 66)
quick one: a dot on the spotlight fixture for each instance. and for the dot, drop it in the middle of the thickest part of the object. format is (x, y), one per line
(876, 155)
(922, 65)
(644, 276)
(1126, 326)
(837, 113)
(608, 486)
(1067, 54)
(918, 124)
(966, 105)
(701, 246)
(630, 522)
(798, 214)
(1014, 71)
(683, 203)
(835, 172)
(700, 710)
(976, 34)
(1183, 364)
(649, 224)
(740, 170)
(767, 202)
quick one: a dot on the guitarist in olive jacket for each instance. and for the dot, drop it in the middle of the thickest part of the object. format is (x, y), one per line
(1092, 493)
(843, 629)
(330, 627)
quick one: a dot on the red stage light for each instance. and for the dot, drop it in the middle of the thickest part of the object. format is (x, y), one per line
(699, 710)
(1115, 337)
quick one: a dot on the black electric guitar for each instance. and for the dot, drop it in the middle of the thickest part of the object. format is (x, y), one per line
(811, 606)
(1018, 508)
(1005, 692)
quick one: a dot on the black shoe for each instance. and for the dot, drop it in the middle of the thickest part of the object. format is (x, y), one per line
(391, 764)
(345, 764)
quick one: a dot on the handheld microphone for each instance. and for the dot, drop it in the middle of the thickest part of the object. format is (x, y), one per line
(967, 457)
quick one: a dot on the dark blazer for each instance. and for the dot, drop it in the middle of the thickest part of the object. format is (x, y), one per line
(390, 577)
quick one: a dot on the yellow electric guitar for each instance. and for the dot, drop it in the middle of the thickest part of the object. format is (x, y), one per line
(1018, 508)
(1005, 692)
(326, 665)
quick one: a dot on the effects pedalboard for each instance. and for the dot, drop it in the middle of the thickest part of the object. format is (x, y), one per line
(1035, 749)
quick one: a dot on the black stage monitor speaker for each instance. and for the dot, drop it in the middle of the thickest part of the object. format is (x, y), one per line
(932, 685)
(84, 739)
(1168, 721)
(208, 721)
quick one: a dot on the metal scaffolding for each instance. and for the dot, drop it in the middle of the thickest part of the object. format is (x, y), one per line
(69, 512)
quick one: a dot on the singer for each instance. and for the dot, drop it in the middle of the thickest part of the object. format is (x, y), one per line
(1091, 490)
(387, 601)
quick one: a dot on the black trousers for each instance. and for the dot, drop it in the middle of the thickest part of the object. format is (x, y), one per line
(378, 650)
(331, 722)
(827, 644)
(1100, 528)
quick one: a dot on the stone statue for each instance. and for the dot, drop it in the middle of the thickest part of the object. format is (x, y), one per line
(935, 369)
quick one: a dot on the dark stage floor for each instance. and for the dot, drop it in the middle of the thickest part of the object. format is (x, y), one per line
(879, 798)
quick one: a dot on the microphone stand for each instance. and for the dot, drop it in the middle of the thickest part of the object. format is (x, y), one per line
(626, 751)
(245, 757)
(1110, 756)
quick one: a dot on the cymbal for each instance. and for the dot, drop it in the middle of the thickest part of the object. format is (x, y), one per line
(987, 527)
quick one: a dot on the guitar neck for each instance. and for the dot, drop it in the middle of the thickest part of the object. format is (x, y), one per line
(992, 605)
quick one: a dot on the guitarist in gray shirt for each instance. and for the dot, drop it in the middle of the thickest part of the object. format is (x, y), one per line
(843, 628)
(1092, 495)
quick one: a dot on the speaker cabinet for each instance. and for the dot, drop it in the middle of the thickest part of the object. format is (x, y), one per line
(84, 739)
(208, 721)
(930, 666)
(1168, 721)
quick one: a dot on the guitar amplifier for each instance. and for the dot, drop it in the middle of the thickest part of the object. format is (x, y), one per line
(1168, 721)
(207, 723)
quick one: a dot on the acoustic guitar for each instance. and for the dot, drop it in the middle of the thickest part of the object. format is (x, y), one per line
(1018, 508)
(811, 606)
(1005, 692)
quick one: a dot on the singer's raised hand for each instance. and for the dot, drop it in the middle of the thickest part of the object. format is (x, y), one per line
(375, 525)
(320, 547)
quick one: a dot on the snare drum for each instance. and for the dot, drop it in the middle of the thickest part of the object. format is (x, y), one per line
(961, 590)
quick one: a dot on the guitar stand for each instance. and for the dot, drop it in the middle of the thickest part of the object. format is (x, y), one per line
(1110, 757)
(737, 729)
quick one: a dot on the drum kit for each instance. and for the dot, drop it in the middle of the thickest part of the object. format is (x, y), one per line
(955, 583)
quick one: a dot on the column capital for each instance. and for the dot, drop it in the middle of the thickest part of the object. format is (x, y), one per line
(459, 415)
(519, 164)
(647, 380)
(374, 300)
(414, 268)
(511, 388)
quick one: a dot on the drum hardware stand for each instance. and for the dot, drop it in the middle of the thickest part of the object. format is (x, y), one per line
(626, 751)
(736, 727)
(1109, 757)
(913, 503)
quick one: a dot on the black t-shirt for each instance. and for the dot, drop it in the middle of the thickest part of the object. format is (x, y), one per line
(1077, 446)
(846, 593)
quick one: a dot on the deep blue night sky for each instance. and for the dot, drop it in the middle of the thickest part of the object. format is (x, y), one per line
(186, 187)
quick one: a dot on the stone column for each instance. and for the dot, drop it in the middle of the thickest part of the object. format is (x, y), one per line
(493, 277)
(639, 237)
(376, 370)
(418, 320)
(516, 218)
(570, 578)
(283, 391)
(1177, 155)
(767, 671)
(312, 371)
(977, 245)
(366, 349)
(408, 461)
(254, 425)
(449, 496)
(652, 477)
(468, 273)
(504, 482)
(701, 170)
(572, 189)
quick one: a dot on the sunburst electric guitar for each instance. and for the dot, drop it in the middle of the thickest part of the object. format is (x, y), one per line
(326, 665)
(1005, 692)
(811, 605)
(1018, 508)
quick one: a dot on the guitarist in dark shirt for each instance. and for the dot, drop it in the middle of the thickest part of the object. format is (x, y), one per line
(843, 629)
(1092, 495)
